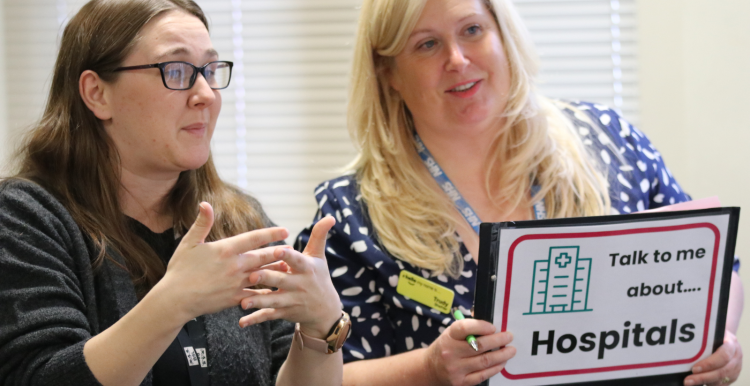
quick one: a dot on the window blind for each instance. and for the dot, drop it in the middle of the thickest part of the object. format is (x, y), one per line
(32, 30)
(587, 50)
(282, 127)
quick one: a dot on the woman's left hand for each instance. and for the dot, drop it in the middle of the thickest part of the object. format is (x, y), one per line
(722, 367)
(305, 292)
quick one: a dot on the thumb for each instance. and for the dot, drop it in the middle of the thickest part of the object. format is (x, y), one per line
(201, 227)
(316, 246)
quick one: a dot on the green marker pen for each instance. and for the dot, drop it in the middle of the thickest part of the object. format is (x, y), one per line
(470, 339)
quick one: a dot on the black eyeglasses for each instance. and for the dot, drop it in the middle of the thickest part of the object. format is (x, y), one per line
(182, 75)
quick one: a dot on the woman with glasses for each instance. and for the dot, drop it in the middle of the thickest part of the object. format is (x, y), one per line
(124, 259)
(450, 130)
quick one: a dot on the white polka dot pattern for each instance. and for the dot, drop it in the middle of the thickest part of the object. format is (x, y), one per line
(366, 276)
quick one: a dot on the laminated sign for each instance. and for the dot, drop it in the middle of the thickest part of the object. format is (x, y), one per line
(635, 299)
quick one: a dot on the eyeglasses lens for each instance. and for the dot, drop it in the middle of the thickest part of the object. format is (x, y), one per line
(177, 75)
(218, 74)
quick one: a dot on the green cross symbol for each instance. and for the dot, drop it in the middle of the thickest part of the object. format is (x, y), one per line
(563, 260)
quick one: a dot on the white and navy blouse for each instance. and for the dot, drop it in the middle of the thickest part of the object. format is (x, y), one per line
(366, 276)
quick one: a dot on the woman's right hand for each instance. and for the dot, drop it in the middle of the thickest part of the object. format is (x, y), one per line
(204, 278)
(451, 361)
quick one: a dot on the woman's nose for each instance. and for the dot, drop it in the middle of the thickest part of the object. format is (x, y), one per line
(457, 59)
(201, 95)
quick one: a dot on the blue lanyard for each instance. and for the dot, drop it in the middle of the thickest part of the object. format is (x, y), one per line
(445, 183)
(540, 210)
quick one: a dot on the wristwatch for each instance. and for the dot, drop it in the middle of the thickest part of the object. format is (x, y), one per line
(336, 337)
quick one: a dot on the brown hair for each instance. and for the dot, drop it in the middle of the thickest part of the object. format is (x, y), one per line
(69, 153)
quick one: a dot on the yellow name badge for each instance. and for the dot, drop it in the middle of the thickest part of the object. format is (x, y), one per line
(424, 291)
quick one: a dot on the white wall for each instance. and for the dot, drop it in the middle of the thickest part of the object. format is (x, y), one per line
(5, 147)
(694, 59)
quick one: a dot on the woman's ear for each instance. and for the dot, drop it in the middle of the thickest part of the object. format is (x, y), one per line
(93, 92)
(393, 79)
(385, 69)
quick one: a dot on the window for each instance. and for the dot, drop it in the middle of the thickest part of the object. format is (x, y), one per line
(282, 129)
(587, 50)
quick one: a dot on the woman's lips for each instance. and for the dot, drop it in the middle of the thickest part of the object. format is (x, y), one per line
(465, 89)
(196, 128)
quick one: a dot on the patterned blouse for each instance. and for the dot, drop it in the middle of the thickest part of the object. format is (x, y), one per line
(365, 275)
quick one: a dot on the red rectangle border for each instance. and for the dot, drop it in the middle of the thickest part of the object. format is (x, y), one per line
(521, 239)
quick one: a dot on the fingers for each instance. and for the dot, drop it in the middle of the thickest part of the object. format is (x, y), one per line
(491, 342)
(717, 360)
(460, 329)
(269, 300)
(707, 372)
(258, 258)
(279, 266)
(316, 246)
(281, 277)
(269, 278)
(489, 364)
(261, 316)
(249, 241)
(489, 359)
(201, 227)
(716, 377)
(298, 262)
(464, 366)
(248, 292)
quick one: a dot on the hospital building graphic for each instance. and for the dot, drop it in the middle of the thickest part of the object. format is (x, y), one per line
(561, 282)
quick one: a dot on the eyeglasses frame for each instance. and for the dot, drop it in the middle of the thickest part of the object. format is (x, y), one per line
(193, 78)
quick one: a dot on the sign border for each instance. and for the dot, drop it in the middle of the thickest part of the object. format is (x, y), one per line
(553, 236)
(487, 280)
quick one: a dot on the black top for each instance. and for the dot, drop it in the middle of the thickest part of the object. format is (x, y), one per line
(52, 302)
(172, 367)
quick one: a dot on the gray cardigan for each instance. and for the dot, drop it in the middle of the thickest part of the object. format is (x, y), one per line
(52, 302)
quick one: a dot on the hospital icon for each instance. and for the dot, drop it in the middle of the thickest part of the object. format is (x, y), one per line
(560, 282)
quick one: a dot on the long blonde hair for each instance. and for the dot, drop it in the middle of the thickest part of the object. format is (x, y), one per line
(537, 144)
(69, 153)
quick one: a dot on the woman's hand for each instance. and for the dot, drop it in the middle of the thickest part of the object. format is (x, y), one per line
(722, 367)
(305, 292)
(451, 361)
(204, 278)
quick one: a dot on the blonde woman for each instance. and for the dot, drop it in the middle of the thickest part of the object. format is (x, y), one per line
(448, 85)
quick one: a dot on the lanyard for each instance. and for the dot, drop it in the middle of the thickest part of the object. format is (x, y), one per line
(192, 338)
(540, 210)
(445, 183)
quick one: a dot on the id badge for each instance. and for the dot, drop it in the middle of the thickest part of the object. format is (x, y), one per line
(425, 292)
